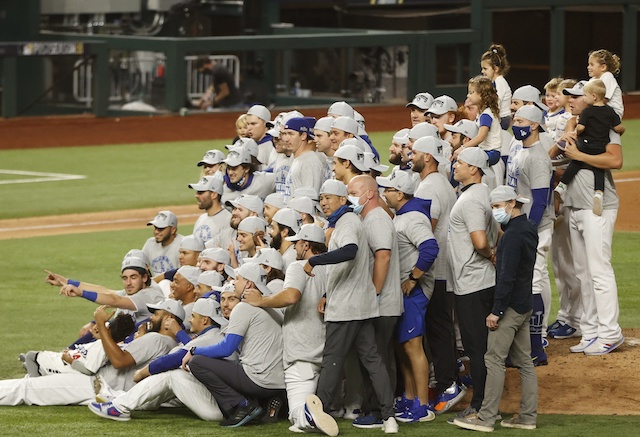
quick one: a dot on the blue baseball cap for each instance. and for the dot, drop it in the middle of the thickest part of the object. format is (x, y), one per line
(298, 124)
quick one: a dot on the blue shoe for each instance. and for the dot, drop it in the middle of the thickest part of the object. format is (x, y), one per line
(368, 421)
(109, 411)
(564, 331)
(555, 325)
(545, 342)
(467, 380)
(539, 359)
(402, 404)
(448, 398)
(417, 413)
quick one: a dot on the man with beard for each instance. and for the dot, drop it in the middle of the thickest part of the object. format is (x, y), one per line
(162, 248)
(396, 157)
(77, 388)
(250, 238)
(303, 328)
(162, 380)
(215, 219)
(242, 207)
(286, 223)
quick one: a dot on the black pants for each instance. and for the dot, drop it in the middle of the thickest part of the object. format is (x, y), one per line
(227, 382)
(472, 311)
(341, 337)
(440, 336)
(384, 328)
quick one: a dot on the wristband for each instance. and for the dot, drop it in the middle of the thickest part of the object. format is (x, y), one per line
(90, 295)
(73, 282)
(192, 351)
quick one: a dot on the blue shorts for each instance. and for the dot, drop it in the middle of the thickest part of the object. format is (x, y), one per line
(412, 321)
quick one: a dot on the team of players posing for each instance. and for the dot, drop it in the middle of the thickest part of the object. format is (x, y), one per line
(358, 265)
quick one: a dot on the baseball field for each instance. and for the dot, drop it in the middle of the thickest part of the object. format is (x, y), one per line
(76, 193)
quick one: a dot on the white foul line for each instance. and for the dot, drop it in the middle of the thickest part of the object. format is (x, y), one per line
(40, 177)
(91, 223)
(626, 180)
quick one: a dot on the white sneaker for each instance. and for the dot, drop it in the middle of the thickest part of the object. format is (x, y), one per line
(390, 426)
(317, 418)
(584, 343)
(602, 347)
(294, 428)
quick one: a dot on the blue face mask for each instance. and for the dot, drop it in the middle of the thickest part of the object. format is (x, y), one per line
(521, 133)
(501, 215)
(355, 204)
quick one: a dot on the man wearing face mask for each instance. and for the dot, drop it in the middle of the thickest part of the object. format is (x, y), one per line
(385, 270)
(508, 322)
(529, 172)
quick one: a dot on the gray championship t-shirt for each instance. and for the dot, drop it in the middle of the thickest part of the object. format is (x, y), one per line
(438, 189)
(381, 235)
(261, 349)
(529, 168)
(414, 228)
(580, 191)
(289, 256)
(143, 349)
(306, 171)
(304, 330)
(262, 185)
(350, 291)
(468, 271)
(208, 226)
(163, 258)
(152, 294)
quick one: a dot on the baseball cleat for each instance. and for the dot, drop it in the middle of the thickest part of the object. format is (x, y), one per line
(109, 411)
(317, 418)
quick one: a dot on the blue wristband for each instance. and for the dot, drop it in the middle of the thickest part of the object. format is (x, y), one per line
(73, 282)
(90, 295)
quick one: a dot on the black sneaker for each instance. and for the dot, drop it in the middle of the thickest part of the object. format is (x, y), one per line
(242, 415)
(272, 411)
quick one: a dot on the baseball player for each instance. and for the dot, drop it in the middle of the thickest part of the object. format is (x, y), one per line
(259, 372)
(183, 289)
(286, 223)
(162, 380)
(212, 164)
(306, 169)
(242, 177)
(78, 388)
(215, 219)
(257, 118)
(426, 157)
(303, 329)
(162, 248)
(272, 203)
(418, 106)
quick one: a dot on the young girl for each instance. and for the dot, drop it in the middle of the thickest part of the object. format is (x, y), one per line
(495, 66)
(604, 65)
(483, 94)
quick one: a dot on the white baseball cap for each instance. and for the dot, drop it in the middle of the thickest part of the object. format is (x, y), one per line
(216, 254)
(324, 124)
(346, 124)
(190, 242)
(402, 136)
(529, 93)
(164, 219)
(137, 253)
(341, 109)
(275, 199)
(354, 154)
(212, 157)
(169, 305)
(252, 224)
(261, 112)
(248, 201)
(210, 278)
(531, 113)
(442, 105)
(308, 191)
(248, 143)
(424, 129)
(190, 273)
(465, 127)
(309, 232)
(505, 193)
(332, 186)
(133, 262)
(226, 288)
(430, 145)
(208, 183)
(400, 180)
(252, 271)
(238, 156)
(302, 204)
(359, 119)
(576, 90)
(373, 163)
(269, 257)
(421, 101)
(478, 158)
(210, 308)
(288, 217)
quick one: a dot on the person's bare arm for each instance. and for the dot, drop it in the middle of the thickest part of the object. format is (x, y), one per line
(481, 244)
(223, 91)
(611, 159)
(286, 297)
(111, 300)
(382, 259)
(619, 129)
(119, 359)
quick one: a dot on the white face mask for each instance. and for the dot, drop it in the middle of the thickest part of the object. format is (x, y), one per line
(501, 215)
(355, 204)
